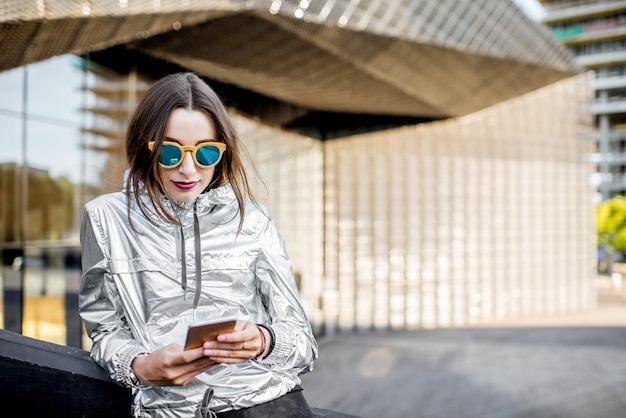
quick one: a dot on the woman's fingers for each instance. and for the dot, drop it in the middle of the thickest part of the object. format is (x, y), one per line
(230, 353)
(235, 347)
(171, 365)
(185, 377)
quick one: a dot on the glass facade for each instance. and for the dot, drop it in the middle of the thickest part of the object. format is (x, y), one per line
(479, 218)
(42, 165)
(61, 123)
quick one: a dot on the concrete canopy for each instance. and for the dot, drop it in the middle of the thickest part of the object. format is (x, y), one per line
(421, 58)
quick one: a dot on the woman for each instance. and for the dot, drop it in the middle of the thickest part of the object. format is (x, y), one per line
(183, 242)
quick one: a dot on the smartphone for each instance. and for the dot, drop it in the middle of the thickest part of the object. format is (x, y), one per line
(208, 330)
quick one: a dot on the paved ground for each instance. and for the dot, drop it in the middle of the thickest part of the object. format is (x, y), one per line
(573, 366)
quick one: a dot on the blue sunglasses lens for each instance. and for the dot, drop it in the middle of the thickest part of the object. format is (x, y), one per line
(170, 155)
(207, 155)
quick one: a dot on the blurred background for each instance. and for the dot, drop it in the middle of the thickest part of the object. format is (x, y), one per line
(431, 164)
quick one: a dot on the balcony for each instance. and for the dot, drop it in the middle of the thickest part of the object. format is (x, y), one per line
(616, 184)
(572, 38)
(615, 135)
(609, 83)
(601, 58)
(612, 159)
(609, 182)
(593, 9)
(615, 105)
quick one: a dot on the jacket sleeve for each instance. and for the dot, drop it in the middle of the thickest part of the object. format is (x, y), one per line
(113, 347)
(295, 346)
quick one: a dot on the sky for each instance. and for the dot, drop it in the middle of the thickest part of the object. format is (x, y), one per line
(54, 104)
(533, 8)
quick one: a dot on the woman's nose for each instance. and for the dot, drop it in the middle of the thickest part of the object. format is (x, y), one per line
(188, 165)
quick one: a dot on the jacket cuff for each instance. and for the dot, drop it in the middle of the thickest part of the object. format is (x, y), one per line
(125, 358)
(283, 345)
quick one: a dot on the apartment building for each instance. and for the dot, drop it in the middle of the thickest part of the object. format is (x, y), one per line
(595, 31)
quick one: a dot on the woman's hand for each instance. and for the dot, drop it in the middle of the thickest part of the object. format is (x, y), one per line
(170, 366)
(173, 366)
(238, 346)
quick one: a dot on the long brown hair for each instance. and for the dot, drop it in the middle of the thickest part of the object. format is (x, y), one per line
(149, 122)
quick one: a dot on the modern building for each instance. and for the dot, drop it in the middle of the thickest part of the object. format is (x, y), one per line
(424, 160)
(595, 31)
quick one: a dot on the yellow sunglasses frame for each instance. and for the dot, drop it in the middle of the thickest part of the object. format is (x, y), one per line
(193, 148)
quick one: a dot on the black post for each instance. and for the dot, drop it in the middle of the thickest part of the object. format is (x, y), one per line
(13, 292)
(73, 323)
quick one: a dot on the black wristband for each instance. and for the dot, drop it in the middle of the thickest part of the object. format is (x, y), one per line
(272, 337)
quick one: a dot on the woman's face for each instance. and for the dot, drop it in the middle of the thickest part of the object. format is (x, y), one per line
(188, 127)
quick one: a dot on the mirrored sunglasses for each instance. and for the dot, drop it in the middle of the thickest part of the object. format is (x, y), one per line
(205, 154)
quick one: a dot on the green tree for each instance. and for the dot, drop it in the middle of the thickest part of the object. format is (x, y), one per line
(611, 223)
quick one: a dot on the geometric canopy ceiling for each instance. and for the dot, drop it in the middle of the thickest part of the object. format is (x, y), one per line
(419, 58)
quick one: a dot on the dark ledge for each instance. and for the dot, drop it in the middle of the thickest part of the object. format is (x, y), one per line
(42, 379)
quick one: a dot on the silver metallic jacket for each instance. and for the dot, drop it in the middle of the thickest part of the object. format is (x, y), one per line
(139, 292)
